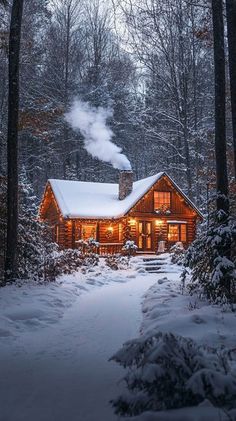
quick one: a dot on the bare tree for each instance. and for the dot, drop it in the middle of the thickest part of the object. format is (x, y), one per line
(12, 140)
(168, 38)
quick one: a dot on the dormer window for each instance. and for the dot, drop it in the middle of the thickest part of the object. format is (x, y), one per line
(162, 202)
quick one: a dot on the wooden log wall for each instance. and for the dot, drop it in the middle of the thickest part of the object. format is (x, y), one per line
(50, 213)
(178, 203)
(160, 231)
(106, 235)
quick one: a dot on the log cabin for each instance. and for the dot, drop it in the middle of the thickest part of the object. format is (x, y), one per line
(148, 211)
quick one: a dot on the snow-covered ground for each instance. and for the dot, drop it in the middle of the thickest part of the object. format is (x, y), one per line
(168, 308)
(56, 340)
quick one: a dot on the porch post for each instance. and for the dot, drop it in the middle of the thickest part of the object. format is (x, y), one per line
(97, 231)
(73, 234)
(97, 235)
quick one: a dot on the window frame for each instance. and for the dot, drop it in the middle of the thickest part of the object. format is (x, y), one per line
(82, 237)
(162, 191)
(179, 225)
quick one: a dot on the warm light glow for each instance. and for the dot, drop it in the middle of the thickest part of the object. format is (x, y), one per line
(69, 222)
(132, 221)
(159, 222)
(110, 229)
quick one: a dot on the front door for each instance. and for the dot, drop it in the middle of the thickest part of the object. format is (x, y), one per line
(145, 235)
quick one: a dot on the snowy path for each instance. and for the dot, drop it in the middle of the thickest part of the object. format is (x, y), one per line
(61, 372)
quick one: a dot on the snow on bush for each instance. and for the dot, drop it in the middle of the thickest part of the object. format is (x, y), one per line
(129, 248)
(116, 261)
(167, 371)
(67, 261)
(212, 260)
(177, 252)
(88, 246)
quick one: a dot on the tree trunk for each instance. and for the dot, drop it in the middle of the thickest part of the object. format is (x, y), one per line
(220, 127)
(12, 141)
(231, 28)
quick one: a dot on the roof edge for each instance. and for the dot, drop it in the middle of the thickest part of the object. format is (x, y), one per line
(159, 176)
(48, 185)
(185, 196)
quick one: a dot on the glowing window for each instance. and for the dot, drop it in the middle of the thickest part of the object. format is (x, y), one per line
(120, 228)
(183, 232)
(177, 232)
(173, 232)
(162, 200)
(88, 231)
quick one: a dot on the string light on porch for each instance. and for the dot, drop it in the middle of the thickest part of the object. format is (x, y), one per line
(132, 221)
(109, 232)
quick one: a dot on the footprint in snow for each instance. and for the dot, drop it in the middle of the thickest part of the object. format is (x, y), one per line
(5, 333)
(197, 319)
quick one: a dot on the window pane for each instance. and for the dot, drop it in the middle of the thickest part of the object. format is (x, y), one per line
(183, 232)
(120, 233)
(148, 228)
(162, 200)
(88, 231)
(173, 232)
(140, 235)
(148, 235)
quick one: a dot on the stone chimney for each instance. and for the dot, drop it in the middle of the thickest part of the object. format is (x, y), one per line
(125, 183)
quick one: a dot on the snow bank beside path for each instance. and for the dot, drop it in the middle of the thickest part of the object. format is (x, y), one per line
(167, 309)
(204, 412)
(28, 306)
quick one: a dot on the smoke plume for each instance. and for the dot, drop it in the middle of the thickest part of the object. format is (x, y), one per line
(91, 122)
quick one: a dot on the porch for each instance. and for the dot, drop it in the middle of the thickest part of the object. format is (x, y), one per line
(111, 235)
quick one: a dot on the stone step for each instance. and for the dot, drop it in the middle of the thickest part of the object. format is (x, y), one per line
(154, 263)
(150, 268)
(154, 259)
(158, 271)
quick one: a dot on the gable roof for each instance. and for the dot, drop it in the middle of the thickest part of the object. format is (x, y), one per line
(88, 200)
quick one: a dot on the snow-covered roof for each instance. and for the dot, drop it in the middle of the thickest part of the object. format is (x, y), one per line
(81, 199)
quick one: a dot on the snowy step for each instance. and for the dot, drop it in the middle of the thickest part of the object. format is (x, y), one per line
(158, 271)
(154, 259)
(154, 262)
(148, 266)
(155, 269)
